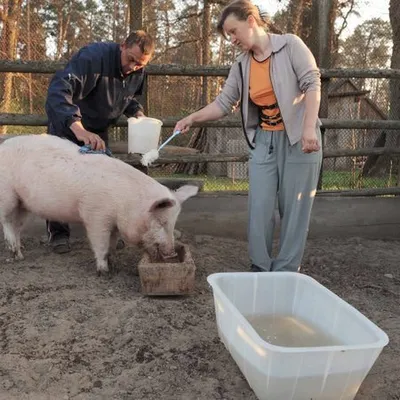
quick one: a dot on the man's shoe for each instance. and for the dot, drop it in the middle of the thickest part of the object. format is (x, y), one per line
(60, 245)
(255, 268)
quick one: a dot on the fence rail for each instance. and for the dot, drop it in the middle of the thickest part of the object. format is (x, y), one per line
(49, 67)
(41, 120)
(120, 150)
(388, 191)
(134, 159)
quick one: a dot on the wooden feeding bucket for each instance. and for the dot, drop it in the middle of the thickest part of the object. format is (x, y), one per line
(174, 276)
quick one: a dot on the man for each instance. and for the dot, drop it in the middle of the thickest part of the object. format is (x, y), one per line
(96, 87)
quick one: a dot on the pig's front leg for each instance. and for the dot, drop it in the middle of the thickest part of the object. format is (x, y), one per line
(12, 239)
(13, 222)
(99, 236)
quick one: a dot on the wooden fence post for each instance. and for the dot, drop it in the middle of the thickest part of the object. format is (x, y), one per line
(321, 49)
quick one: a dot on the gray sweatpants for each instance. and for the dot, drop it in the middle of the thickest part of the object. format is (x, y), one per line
(280, 171)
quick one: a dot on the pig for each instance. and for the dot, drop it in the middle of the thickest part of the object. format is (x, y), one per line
(47, 176)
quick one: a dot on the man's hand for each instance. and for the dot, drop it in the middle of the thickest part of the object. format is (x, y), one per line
(95, 141)
(139, 114)
(309, 140)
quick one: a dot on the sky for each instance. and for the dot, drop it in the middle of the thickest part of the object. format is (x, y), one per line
(367, 8)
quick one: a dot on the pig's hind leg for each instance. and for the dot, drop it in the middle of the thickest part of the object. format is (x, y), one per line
(99, 236)
(12, 217)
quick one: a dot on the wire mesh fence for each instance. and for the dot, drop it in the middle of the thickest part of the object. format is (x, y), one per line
(185, 34)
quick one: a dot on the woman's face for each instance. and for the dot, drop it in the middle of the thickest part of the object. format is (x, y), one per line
(239, 32)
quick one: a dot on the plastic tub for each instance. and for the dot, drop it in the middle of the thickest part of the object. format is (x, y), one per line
(143, 134)
(333, 371)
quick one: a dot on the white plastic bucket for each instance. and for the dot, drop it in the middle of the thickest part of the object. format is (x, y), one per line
(143, 134)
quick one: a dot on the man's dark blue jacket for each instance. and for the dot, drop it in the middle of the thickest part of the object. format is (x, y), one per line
(92, 89)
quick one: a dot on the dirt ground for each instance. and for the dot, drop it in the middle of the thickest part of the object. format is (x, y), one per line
(67, 334)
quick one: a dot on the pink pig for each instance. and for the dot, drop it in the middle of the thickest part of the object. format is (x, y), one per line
(47, 176)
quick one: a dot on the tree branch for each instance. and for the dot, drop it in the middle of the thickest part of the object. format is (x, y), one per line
(177, 19)
(345, 17)
(176, 47)
(187, 16)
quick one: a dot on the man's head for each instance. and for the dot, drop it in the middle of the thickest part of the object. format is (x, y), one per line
(136, 51)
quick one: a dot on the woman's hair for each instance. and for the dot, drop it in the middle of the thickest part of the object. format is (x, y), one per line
(242, 9)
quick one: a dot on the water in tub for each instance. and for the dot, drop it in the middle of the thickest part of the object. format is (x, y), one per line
(289, 331)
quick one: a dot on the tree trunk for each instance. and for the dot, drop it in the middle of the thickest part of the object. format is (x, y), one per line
(10, 19)
(199, 139)
(28, 16)
(63, 24)
(296, 14)
(394, 12)
(394, 110)
(206, 47)
(373, 158)
(136, 14)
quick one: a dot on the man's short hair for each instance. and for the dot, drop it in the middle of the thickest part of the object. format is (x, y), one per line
(143, 40)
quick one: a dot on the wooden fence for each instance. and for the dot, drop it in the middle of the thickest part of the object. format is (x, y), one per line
(49, 67)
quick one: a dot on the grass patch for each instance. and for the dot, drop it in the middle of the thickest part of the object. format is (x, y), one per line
(331, 180)
(340, 180)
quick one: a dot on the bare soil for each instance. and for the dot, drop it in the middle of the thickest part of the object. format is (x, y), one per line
(66, 333)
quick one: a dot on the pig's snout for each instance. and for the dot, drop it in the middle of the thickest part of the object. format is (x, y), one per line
(166, 251)
(159, 251)
(159, 241)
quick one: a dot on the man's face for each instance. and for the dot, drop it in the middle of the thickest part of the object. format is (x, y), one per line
(132, 58)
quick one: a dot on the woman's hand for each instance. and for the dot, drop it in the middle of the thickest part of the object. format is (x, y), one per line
(184, 124)
(211, 112)
(309, 140)
(139, 114)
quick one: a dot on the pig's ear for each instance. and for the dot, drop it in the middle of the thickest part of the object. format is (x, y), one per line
(162, 204)
(186, 191)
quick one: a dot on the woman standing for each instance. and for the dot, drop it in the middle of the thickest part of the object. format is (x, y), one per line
(277, 82)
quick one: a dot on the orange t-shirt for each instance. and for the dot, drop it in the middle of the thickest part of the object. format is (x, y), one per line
(262, 94)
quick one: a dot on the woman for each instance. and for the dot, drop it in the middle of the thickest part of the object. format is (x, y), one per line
(277, 82)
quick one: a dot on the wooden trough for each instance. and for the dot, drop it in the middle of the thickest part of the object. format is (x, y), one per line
(166, 278)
